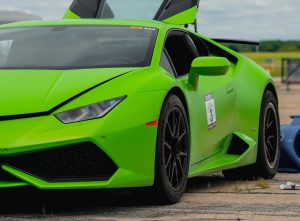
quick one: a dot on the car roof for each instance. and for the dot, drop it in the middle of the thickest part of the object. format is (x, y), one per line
(88, 22)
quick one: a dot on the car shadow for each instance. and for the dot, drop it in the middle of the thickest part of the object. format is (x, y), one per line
(80, 202)
(207, 183)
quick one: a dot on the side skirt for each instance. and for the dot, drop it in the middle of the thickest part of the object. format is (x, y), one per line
(239, 150)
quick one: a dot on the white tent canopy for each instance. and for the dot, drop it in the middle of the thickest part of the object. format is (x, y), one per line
(14, 16)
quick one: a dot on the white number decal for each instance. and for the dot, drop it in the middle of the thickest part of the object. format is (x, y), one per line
(210, 111)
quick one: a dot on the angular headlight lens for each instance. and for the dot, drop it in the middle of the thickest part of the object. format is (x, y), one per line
(89, 112)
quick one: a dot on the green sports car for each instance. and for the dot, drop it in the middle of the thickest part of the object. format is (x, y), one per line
(111, 102)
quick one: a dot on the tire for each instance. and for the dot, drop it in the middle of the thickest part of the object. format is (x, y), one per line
(268, 154)
(172, 152)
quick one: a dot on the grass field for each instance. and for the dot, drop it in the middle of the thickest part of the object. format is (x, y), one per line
(275, 66)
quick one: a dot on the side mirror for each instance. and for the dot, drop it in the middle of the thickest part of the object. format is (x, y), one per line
(207, 66)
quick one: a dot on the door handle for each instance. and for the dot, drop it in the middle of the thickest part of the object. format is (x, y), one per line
(230, 90)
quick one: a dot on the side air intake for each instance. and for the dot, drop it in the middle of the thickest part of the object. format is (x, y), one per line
(7, 177)
(79, 162)
(237, 146)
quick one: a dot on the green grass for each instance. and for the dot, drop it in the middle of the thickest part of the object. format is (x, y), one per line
(275, 66)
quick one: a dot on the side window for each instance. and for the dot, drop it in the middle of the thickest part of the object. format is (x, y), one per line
(165, 63)
(206, 48)
(182, 51)
(202, 48)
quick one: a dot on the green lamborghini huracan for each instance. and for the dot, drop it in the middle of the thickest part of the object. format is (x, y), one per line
(121, 95)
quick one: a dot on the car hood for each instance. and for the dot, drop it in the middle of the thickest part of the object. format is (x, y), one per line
(37, 91)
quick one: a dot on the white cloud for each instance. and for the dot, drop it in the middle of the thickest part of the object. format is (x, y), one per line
(250, 19)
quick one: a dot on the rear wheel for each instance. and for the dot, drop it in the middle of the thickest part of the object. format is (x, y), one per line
(268, 154)
(172, 153)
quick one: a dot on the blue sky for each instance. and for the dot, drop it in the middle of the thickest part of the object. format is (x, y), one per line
(239, 19)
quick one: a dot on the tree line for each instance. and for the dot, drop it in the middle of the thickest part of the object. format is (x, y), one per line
(268, 46)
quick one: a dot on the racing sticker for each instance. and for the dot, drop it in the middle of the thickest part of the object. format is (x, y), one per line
(210, 111)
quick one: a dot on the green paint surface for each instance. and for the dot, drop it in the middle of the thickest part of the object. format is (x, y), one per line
(123, 134)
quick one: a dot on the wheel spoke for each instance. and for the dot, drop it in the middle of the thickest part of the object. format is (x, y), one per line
(270, 147)
(268, 154)
(180, 166)
(268, 117)
(176, 173)
(269, 120)
(169, 171)
(174, 124)
(168, 161)
(168, 146)
(271, 137)
(182, 136)
(172, 174)
(178, 126)
(170, 129)
(270, 124)
(182, 154)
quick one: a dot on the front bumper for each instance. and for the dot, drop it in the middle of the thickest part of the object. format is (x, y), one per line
(126, 143)
(78, 162)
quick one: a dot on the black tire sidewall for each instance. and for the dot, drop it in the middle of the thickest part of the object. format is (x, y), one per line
(262, 164)
(162, 184)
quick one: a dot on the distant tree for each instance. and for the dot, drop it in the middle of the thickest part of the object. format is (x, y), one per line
(268, 46)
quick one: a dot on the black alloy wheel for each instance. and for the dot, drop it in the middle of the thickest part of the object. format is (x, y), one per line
(268, 153)
(172, 153)
(271, 135)
(175, 148)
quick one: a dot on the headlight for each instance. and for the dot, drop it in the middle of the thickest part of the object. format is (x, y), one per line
(89, 112)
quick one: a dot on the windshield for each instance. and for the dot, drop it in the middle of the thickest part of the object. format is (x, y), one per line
(142, 9)
(76, 47)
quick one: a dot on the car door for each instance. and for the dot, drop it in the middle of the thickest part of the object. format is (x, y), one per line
(212, 113)
(216, 95)
(179, 12)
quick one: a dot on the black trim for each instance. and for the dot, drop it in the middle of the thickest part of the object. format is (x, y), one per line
(189, 42)
(4, 176)
(216, 50)
(170, 61)
(72, 163)
(85, 8)
(237, 146)
(94, 8)
(170, 8)
(164, 5)
(206, 158)
(46, 113)
(201, 46)
(212, 49)
(232, 41)
(101, 9)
